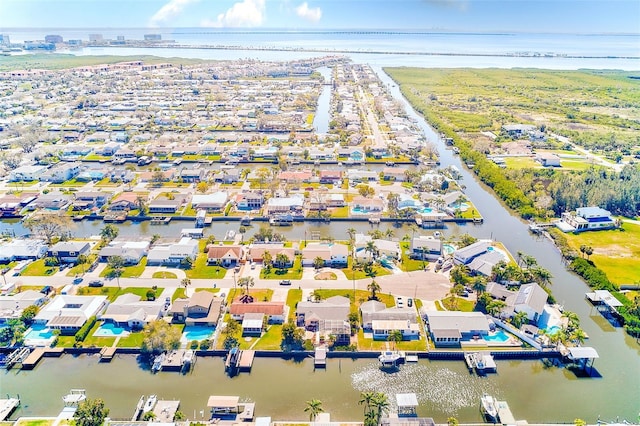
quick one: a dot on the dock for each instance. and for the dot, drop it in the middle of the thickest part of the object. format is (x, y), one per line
(165, 411)
(411, 357)
(481, 362)
(16, 357)
(246, 360)
(504, 413)
(30, 362)
(138, 411)
(107, 353)
(7, 406)
(320, 357)
(172, 361)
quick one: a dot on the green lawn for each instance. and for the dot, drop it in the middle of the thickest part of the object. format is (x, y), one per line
(365, 344)
(407, 263)
(461, 304)
(340, 212)
(378, 271)
(133, 340)
(270, 341)
(164, 274)
(293, 273)
(110, 292)
(38, 268)
(521, 163)
(615, 251)
(133, 271)
(258, 294)
(575, 164)
(141, 291)
(202, 270)
(293, 297)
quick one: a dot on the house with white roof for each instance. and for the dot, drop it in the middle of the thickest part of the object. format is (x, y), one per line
(26, 173)
(326, 317)
(131, 311)
(131, 251)
(284, 204)
(210, 202)
(173, 254)
(382, 321)
(465, 255)
(333, 254)
(531, 299)
(449, 328)
(69, 313)
(12, 305)
(20, 249)
(587, 219)
(426, 248)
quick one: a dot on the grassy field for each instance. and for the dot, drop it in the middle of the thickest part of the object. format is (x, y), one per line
(200, 269)
(293, 273)
(293, 297)
(615, 251)
(39, 269)
(55, 61)
(164, 274)
(407, 263)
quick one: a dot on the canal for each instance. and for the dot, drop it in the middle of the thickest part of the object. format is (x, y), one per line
(535, 391)
(323, 112)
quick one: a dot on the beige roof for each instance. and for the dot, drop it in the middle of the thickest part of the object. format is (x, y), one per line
(223, 401)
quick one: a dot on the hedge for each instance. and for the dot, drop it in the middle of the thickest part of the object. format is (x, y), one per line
(86, 328)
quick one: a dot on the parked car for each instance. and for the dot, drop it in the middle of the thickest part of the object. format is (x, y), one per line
(409, 302)
(285, 282)
(77, 280)
(46, 289)
(96, 283)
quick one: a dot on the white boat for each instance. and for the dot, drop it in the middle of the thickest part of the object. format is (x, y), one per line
(187, 357)
(230, 235)
(74, 397)
(389, 358)
(157, 363)
(488, 407)
(151, 402)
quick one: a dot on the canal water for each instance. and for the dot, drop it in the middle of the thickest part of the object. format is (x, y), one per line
(321, 119)
(535, 391)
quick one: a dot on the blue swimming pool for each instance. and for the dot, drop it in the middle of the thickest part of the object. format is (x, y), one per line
(425, 210)
(109, 330)
(197, 332)
(498, 336)
(448, 248)
(38, 332)
(552, 330)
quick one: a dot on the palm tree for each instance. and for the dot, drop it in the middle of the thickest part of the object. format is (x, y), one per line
(479, 285)
(83, 259)
(366, 399)
(371, 249)
(318, 262)
(374, 288)
(186, 282)
(314, 407)
(380, 404)
(395, 336)
(519, 319)
(573, 321)
(116, 263)
(246, 282)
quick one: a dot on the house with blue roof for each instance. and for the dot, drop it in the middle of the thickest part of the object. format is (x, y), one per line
(587, 219)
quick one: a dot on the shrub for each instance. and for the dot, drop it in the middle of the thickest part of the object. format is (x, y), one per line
(86, 328)
(193, 344)
(205, 344)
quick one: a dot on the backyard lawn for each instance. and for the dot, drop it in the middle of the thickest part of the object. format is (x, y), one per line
(200, 269)
(133, 271)
(359, 273)
(293, 297)
(408, 264)
(270, 341)
(615, 251)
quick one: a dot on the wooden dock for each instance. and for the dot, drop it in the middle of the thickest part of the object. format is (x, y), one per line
(320, 357)
(136, 414)
(33, 359)
(165, 410)
(173, 360)
(7, 406)
(504, 413)
(107, 353)
(246, 360)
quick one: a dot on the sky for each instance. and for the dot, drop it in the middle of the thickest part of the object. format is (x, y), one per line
(575, 16)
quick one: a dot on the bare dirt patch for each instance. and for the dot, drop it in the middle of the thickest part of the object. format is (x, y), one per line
(326, 276)
(613, 251)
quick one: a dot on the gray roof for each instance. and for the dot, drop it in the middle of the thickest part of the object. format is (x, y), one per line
(454, 320)
(533, 296)
(485, 262)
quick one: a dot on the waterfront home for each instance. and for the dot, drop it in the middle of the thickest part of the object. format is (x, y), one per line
(295, 176)
(173, 254)
(274, 311)
(11, 204)
(406, 201)
(548, 159)
(157, 176)
(60, 172)
(163, 204)
(363, 205)
(355, 175)
(128, 201)
(249, 201)
(426, 248)
(109, 149)
(210, 202)
(335, 200)
(382, 321)
(192, 175)
(131, 251)
(228, 176)
(517, 131)
(333, 254)
(129, 310)
(119, 175)
(256, 253)
(12, 305)
(382, 329)
(50, 201)
(451, 328)
(26, 173)
(386, 248)
(68, 251)
(531, 299)
(284, 204)
(330, 176)
(465, 255)
(484, 263)
(124, 154)
(69, 313)
(202, 308)
(22, 249)
(86, 200)
(396, 174)
(226, 256)
(315, 316)
(587, 219)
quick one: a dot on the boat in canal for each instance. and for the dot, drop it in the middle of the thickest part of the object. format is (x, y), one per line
(390, 359)
(151, 402)
(488, 407)
(74, 397)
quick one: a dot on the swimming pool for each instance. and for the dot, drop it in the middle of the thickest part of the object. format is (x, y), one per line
(498, 336)
(38, 332)
(110, 330)
(359, 210)
(448, 248)
(197, 332)
(552, 330)
(461, 206)
(425, 210)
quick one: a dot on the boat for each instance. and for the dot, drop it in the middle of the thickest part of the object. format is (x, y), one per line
(246, 220)
(488, 407)
(456, 150)
(389, 359)
(230, 235)
(151, 402)
(187, 358)
(177, 161)
(74, 397)
(232, 359)
(157, 363)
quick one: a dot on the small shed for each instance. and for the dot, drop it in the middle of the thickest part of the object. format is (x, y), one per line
(407, 404)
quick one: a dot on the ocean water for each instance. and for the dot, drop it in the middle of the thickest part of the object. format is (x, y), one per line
(378, 47)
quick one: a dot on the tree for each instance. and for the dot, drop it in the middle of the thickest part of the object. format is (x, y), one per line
(281, 261)
(186, 262)
(82, 260)
(242, 230)
(149, 416)
(366, 191)
(314, 407)
(395, 336)
(48, 225)
(116, 264)
(159, 336)
(519, 319)
(371, 249)
(380, 405)
(318, 262)
(202, 187)
(109, 232)
(366, 399)
(90, 412)
(179, 416)
(246, 282)
(495, 307)
(374, 288)
(452, 421)
(28, 314)
(479, 284)
(392, 204)
(267, 261)
(292, 337)
(141, 204)
(186, 282)
(151, 294)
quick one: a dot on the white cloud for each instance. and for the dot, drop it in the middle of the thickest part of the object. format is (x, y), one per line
(310, 14)
(246, 13)
(169, 11)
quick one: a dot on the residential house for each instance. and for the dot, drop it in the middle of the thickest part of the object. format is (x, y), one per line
(60, 172)
(192, 175)
(50, 201)
(128, 201)
(531, 299)
(382, 321)
(87, 200)
(330, 176)
(548, 159)
(275, 312)
(252, 324)
(587, 219)
(162, 204)
(484, 263)
(202, 308)
(173, 254)
(129, 310)
(465, 255)
(249, 201)
(22, 249)
(334, 255)
(450, 328)
(517, 131)
(124, 154)
(396, 174)
(362, 205)
(426, 248)
(11, 204)
(12, 306)
(69, 313)
(68, 251)
(284, 204)
(295, 176)
(26, 173)
(131, 251)
(355, 175)
(226, 256)
(210, 202)
(327, 317)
